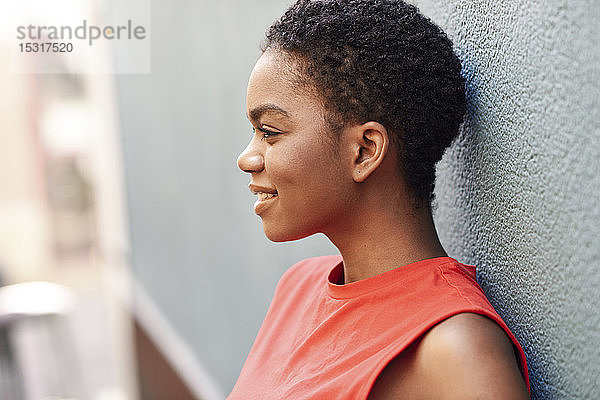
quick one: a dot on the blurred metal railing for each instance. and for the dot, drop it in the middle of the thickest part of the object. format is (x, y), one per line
(37, 358)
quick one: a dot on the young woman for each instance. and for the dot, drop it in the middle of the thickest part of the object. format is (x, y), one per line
(352, 103)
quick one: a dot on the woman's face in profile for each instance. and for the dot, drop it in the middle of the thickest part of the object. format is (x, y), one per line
(296, 173)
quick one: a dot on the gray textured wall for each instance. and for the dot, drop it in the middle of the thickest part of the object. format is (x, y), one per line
(518, 194)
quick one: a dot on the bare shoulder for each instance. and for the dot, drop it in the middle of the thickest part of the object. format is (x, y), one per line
(474, 357)
(467, 356)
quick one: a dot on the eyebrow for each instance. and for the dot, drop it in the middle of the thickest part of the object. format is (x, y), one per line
(257, 112)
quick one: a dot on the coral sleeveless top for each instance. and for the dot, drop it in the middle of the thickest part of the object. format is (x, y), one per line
(325, 340)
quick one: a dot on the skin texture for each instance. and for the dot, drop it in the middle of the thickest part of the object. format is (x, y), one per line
(349, 188)
(468, 356)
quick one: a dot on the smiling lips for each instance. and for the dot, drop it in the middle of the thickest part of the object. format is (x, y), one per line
(265, 197)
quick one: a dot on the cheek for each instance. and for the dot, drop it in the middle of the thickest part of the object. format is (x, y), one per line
(312, 191)
(305, 162)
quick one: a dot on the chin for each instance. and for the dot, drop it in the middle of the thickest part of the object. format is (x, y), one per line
(280, 234)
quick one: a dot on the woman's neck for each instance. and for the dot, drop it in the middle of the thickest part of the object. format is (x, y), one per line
(378, 239)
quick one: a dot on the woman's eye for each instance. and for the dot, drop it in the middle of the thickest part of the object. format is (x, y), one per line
(268, 134)
(265, 133)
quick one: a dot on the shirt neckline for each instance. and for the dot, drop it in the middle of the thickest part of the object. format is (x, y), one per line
(363, 286)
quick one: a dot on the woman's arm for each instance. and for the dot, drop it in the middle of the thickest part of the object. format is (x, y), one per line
(467, 356)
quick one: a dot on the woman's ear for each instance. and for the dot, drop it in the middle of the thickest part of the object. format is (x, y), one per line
(370, 142)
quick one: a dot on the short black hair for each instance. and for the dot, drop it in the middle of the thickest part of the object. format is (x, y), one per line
(381, 60)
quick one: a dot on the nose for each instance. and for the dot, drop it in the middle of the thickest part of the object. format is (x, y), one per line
(251, 160)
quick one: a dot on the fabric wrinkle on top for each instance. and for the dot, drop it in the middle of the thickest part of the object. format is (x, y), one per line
(325, 340)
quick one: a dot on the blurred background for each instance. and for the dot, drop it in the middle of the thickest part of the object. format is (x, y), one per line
(133, 267)
(131, 261)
